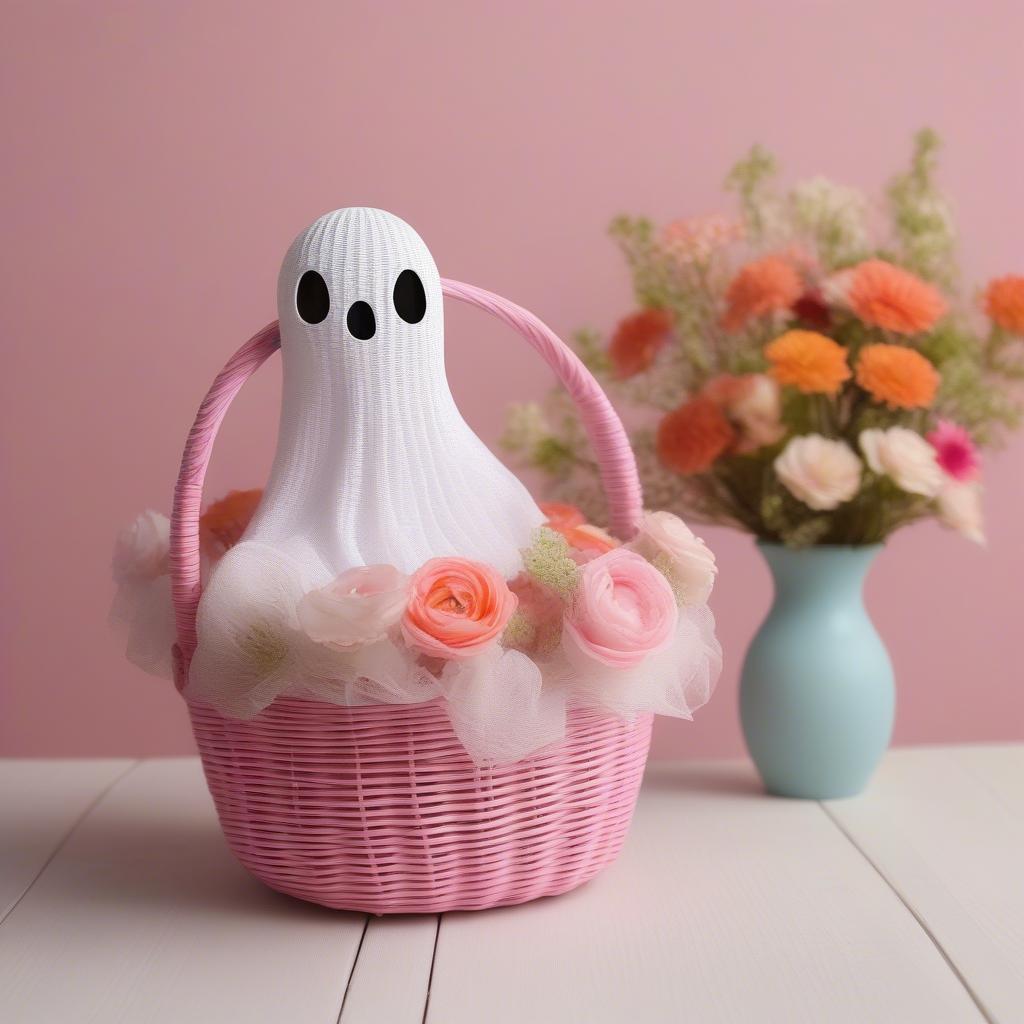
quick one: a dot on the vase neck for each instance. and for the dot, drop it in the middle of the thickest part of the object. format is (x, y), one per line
(819, 574)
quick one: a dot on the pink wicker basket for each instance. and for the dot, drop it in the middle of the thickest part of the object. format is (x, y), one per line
(379, 809)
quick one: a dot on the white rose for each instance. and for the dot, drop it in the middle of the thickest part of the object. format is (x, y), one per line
(142, 549)
(664, 539)
(960, 509)
(358, 608)
(906, 457)
(819, 472)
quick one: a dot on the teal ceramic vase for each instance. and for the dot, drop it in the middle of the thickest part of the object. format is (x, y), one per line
(817, 693)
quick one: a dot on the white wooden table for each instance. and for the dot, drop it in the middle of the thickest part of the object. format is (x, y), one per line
(119, 901)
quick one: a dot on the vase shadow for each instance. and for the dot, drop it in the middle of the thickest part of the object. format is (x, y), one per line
(721, 778)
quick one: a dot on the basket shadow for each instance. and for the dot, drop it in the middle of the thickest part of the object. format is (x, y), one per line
(174, 864)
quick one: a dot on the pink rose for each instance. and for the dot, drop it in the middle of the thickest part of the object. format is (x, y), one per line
(622, 611)
(357, 608)
(457, 608)
(955, 451)
(672, 546)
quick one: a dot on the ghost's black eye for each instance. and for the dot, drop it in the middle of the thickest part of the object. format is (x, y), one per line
(361, 322)
(312, 299)
(410, 299)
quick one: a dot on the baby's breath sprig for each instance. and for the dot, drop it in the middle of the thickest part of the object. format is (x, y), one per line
(548, 560)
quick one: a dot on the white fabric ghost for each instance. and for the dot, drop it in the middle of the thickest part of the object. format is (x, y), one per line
(374, 462)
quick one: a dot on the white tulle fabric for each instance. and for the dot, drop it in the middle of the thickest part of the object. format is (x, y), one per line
(503, 705)
(143, 614)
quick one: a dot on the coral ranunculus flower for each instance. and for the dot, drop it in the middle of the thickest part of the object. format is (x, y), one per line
(898, 376)
(221, 526)
(690, 438)
(638, 339)
(814, 364)
(890, 297)
(590, 538)
(456, 608)
(561, 515)
(764, 286)
(570, 522)
(1004, 303)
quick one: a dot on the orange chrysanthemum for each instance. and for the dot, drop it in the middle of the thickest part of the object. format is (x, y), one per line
(691, 437)
(1004, 303)
(221, 526)
(898, 376)
(638, 339)
(891, 297)
(764, 286)
(814, 364)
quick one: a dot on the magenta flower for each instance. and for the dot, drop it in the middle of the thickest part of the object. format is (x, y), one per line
(955, 451)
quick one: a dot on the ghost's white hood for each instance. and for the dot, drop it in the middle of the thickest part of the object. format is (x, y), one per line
(374, 462)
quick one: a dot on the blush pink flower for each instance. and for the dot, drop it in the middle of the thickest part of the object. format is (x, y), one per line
(623, 610)
(142, 549)
(820, 472)
(955, 451)
(666, 541)
(697, 239)
(753, 405)
(456, 608)
(357, 608)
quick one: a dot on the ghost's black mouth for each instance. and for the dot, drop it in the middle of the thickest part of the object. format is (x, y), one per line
(362, 324)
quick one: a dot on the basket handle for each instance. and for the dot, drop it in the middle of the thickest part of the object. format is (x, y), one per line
(603, 427)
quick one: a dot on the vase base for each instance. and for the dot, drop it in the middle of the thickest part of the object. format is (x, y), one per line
(791, 791)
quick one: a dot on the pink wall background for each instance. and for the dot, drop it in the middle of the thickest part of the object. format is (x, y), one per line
(159, 158)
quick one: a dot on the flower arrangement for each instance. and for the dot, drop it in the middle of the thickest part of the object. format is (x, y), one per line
(588, 622)
(804, 371)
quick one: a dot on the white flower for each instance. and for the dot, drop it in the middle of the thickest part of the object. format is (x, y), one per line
(758, 411)
(835, 215)
(906, 457)
(835, 289)
(141, 550)
(819, 472)
(525, 427)
(667, 542)
(960, 509)
(358, 608)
